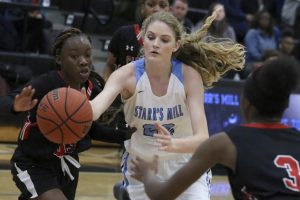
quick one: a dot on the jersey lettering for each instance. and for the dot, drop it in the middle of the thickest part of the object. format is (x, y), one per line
(291, 165)
(158, 113)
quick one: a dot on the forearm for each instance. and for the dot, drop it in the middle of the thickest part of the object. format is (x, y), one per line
(107, 134)
(170, 189)
(188, 144)
(100, 104)
(155, 188)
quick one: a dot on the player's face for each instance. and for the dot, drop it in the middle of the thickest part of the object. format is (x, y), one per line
(152, 6)
(159, 41)
(179, 9)
(76, 59)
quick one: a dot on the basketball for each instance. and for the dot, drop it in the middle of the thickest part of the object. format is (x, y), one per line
(64, 115)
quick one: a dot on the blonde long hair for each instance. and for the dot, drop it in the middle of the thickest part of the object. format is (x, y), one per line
(210, 56)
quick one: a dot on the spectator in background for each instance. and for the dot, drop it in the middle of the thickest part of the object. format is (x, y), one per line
(126, 42)
(253, 7)
(288, 12)
(273, 6)
(33, 23)
(9, 40)
(291, 17)
(198, 9)
(261, 37)
(287, 43)
(219, 28)
(237, 17)
(180, 9)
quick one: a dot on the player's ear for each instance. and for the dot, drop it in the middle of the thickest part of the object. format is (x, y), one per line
(58, 59)
(177, 45)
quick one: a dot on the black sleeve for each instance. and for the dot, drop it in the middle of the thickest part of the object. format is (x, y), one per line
(107, 134)
(6, 102)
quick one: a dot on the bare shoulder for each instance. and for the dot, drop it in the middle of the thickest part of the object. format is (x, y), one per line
(190, 72)
(191, 78)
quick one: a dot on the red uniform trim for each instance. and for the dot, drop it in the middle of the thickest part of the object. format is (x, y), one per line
(26, 129)
(138, 34)
(266, 125)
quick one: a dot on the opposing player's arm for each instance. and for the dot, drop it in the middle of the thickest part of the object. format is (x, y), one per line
(25, 97)
(217, 149)
(118, 81)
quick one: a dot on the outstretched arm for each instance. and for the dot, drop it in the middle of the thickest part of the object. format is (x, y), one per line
(20, 101)
(217, 149)
(24, 101)
(121, 79)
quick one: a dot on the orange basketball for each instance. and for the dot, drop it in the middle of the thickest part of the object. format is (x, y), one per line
(64, 115)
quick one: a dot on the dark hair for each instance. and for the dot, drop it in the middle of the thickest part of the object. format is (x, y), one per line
(288, 32)
(62, 37)
(268, 88)
(270, 53)
(256, 22)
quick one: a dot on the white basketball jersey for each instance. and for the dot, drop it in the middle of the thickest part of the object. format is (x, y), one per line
(144, 109)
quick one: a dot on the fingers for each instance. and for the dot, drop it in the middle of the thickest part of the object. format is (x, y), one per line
(33, 103)
(27, 91)
(137, 173)
(161, 129)
(23, 101)
(141, 167)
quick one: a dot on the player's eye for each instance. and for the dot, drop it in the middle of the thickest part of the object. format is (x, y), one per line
(74, 56)
(151, 37)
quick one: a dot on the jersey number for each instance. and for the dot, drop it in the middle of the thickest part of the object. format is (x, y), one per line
(150, 129)
(291, 165)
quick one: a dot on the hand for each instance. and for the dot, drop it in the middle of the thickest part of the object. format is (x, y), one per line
(164, 139)
(23, 101)
(141, 168)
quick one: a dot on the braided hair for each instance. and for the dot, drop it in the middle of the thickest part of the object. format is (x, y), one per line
(62, 38)
(210, 56)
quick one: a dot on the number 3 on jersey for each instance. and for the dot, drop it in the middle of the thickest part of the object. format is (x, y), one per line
(291, 165)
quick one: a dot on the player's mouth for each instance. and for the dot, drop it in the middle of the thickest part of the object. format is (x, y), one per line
(84, 73)
(154, 52)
